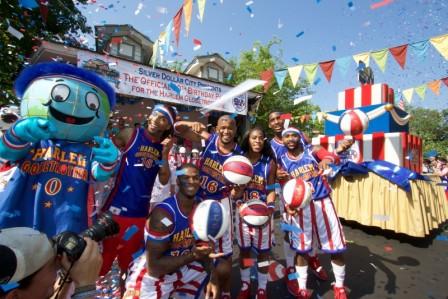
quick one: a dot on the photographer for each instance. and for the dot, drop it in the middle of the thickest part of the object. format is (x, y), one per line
(30, 263)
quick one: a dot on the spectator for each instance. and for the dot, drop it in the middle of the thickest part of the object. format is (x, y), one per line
(29, 266)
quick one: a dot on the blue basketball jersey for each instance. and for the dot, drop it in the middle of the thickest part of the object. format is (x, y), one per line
(181, 238)
(48, 190)
(213, 182)
(306, 168)
(257, 187)
(278, 148)
(135, 179)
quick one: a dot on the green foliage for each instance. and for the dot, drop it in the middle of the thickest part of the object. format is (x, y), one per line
(64, 21)
(251, 64)
(432, 127)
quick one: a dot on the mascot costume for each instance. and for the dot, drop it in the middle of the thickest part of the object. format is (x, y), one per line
(57, 148)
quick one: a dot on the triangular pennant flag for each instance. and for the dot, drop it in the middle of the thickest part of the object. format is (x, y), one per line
(399, 53)
(267, 76)
(201, 8)
(343, 64)
(421, 91)
(380, 58)
(280, 77)
(327, 68)
(434, 86)
(364, 57)
(408, 93)
(177, 22)
(168, 30)
(188, 8)
(155, 53)
(294, 73)
(445, 80)
(419, 48)
(310, 71)
(441, 44)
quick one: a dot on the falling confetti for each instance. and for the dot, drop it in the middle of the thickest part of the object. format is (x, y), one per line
(380, 4)
(300, 33)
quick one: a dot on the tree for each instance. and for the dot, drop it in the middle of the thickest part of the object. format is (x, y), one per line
(432, 127)
(251, 64)
(49, 20)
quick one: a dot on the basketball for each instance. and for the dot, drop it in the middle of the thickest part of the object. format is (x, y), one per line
(237, 170)
(297, 193)
(353, 122)
(254, 212)
(210, 220)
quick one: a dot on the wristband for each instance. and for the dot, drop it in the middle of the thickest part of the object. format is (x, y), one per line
(13, 141)
(271, 205)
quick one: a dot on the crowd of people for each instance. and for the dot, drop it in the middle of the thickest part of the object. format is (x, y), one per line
(155, 188)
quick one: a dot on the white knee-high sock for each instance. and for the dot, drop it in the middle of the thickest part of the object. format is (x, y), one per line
(339, 274)
(262, 280)
(302, 272)
(289, 255)
(245, 277)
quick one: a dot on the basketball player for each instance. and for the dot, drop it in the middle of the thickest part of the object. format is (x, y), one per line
(218, 148)
(172, 262)
(319, 219)
(259, 152)
(276, 124)
(143, 157)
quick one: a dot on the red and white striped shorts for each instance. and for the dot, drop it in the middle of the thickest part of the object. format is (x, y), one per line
(258, 238)
(318, 220)
(188, 282)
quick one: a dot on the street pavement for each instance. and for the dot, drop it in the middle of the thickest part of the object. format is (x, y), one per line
(379, 264)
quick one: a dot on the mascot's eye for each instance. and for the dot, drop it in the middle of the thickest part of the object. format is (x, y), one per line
(60, 92)
(92, 101)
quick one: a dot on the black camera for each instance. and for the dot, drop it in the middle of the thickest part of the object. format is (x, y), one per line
(73, 244)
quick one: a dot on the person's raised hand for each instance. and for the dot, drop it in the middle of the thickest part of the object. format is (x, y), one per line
(86, 269)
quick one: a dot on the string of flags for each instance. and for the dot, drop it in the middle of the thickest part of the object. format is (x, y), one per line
(162, 43)
(420, 90)
(399, 53)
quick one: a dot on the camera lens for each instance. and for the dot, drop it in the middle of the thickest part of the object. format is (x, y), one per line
(73, 245)
(104, 227)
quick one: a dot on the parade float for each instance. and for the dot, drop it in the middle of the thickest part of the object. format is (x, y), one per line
(391, 193)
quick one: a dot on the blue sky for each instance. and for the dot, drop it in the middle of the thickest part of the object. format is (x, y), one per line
(332, 29)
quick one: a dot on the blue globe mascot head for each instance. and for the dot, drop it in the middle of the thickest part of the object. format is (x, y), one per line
(77, 102)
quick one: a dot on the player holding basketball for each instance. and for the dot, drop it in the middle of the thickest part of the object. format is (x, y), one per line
(172, 263)
(218, 148)
(276, 124)
(143, 157)
(259, 152)
(319, 219)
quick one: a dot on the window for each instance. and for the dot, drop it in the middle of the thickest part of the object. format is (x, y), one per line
(213, 73)
(138, 53)
(126, 50)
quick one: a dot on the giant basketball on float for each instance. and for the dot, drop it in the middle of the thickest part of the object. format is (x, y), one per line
(254, 212)
(210, 220)
(297, 193)
(353, 122)
(238, 170)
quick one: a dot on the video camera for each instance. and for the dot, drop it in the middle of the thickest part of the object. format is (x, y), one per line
(73, 244)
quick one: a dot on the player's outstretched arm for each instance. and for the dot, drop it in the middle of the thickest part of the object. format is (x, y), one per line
(193, 131)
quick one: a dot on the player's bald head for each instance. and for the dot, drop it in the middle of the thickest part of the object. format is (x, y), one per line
(227, 120)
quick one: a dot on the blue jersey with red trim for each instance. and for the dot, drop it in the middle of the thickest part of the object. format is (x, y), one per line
(213, 182)
(181, 238)
(306, 167)
(257, 187)
(48, 190)
(135, 179)
(278, 148)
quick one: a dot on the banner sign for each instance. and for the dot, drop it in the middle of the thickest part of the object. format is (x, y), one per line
(144, 81)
